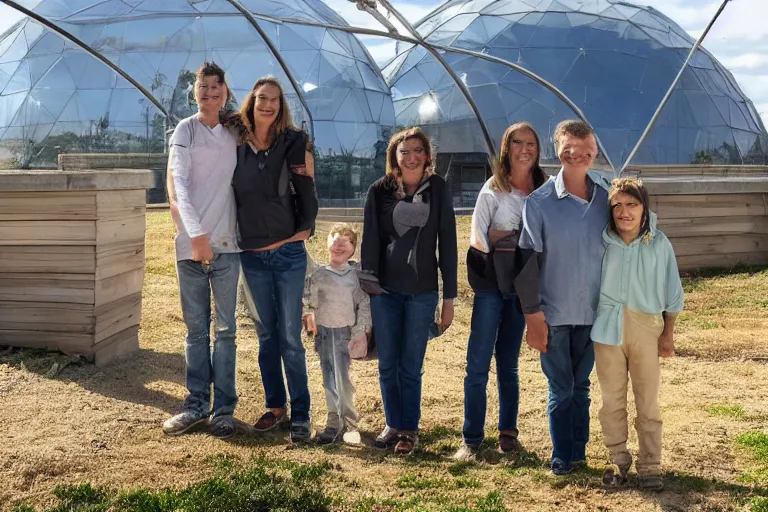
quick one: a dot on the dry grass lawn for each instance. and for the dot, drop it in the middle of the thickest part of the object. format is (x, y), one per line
(102, 425)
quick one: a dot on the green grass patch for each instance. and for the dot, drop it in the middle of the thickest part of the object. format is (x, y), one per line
(755, 477)
(693, 284)
(732, 411)
(759, 504)
(249, 490)
(757, 442)
(467, 482)
(709, 324)
(411, 481)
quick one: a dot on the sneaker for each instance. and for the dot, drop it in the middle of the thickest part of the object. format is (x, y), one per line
(560, 467)
(577, 464)
(328, 435)
(300, 432)
(269, 420)
(387, 438)
(466, 452)
(182, 423)
(352, 438)
(406, 442)
(508, 443)
(651, 482)
(222, 427)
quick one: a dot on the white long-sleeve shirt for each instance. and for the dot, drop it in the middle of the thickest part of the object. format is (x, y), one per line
(494, 209)
(202, 161)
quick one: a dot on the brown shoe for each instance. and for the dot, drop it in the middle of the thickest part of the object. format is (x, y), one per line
(269, 420)
(406, 442)
(508, 442)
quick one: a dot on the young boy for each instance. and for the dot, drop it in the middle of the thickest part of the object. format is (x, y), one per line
(338, 313)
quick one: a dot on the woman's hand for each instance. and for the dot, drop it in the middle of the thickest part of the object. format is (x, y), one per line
(301, 235)
(201, 249)
(446, 314)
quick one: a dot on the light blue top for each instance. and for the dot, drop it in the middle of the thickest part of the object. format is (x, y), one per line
(567, 231)
(642, 276)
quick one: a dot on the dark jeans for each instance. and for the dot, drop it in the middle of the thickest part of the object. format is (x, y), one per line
(401, 324)
(276, 281)
(197, 282)
(497, 327)
(567, 364)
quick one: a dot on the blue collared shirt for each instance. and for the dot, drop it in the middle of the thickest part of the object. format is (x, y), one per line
(567, 231)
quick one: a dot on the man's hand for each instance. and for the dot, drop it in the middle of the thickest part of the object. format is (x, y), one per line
(201, 249)
(666, 344)
(538, 331)
(309, 323)
(446, 314)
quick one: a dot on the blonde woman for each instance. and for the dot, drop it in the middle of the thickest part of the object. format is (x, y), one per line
(497, 320)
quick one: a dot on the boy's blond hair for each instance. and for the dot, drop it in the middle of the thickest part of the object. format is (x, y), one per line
(344, 229)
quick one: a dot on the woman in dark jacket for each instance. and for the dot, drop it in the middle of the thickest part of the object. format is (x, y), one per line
(408, 218)
(497, 319)
(276, 210)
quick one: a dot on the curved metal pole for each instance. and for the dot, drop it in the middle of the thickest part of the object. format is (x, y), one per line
(530, 74)
(245, 12)
(486, 133)
(671, 89)
(63, 33)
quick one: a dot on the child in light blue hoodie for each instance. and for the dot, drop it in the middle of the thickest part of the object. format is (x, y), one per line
(640, 298)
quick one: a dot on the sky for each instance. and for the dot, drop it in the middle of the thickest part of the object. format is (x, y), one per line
(739, 39)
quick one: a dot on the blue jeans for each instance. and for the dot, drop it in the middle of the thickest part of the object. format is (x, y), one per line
(196, 282)
(497, 326)
(401, 325)
(276, 281)
(567, 364)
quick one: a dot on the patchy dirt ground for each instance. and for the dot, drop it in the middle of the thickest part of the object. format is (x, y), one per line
(102, 425)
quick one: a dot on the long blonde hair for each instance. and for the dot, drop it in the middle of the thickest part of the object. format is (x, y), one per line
(394, 174)
(501, 166)
(282, 123)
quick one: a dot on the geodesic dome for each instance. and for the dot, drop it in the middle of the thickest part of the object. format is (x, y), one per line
(113, 76)
(613, 60)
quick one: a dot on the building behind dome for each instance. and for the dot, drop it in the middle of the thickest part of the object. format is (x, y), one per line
(613, 60)
(114, 76)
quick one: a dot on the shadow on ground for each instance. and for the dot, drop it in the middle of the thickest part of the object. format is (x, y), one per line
(127, 379)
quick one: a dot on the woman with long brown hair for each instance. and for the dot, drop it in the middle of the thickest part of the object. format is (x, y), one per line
(497, 320)
(408, 220)
(276, 210)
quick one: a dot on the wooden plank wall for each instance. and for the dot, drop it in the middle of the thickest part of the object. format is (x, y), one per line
(715, 230)
(72, 270)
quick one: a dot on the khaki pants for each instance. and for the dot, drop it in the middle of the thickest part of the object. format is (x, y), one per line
(637, 358)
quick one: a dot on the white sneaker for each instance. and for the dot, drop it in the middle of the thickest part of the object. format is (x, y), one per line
(352, 437)
(182, 423)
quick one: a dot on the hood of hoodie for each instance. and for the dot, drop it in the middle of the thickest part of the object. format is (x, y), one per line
(610, 237)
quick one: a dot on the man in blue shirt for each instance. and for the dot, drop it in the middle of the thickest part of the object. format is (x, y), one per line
(559, 285)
